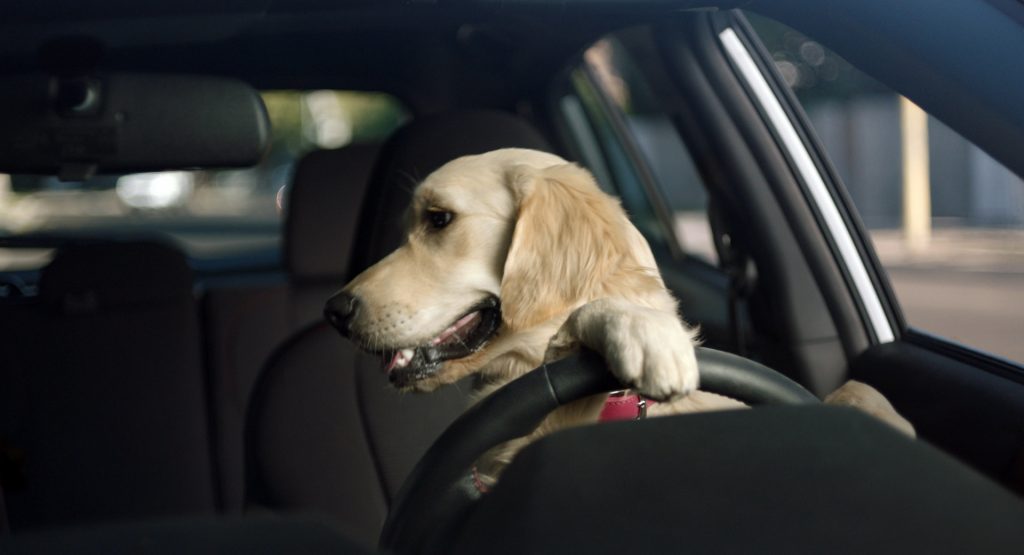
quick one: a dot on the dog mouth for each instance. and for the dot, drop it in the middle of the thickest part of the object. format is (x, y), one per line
(463, 337)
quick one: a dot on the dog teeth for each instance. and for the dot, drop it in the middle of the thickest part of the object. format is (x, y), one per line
(403, 358)
(400, 359)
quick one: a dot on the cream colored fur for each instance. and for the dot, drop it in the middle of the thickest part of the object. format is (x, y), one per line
(568, 267)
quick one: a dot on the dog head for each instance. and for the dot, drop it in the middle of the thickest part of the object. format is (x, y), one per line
(495, 244)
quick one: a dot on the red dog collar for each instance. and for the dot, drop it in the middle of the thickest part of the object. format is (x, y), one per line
(623, 405)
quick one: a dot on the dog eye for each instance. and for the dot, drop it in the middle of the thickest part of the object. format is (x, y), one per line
(439, 218)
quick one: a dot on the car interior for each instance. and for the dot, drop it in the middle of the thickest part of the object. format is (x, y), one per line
(153, 397)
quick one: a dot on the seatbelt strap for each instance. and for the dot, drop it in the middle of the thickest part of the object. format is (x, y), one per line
(5, 525)
(737, 265)
(12, 476)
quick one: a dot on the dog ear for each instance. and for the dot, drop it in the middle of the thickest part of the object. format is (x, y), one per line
(572, 243)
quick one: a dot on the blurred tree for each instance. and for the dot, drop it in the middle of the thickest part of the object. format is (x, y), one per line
(371, 117)
(285, 111)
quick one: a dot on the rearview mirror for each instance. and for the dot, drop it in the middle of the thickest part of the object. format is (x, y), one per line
(121, 123)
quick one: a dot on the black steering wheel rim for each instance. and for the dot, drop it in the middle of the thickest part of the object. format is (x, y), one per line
(439, 491)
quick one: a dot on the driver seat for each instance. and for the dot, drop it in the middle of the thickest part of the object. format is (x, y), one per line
(326, 433)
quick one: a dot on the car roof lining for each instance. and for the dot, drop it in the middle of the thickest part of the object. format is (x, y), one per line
(273, 37)
(432, 55)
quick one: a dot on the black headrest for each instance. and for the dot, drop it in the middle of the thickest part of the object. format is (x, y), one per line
(87, 277)
(415, 151)
(323, 211)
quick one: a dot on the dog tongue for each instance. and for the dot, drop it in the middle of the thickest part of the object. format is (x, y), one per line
(466, 321)
(390, 365)
(403, 357)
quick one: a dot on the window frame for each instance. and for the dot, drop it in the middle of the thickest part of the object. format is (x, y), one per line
(826, 172)
(638, 164)
(652, 190)
(813, 349)
(835, 219)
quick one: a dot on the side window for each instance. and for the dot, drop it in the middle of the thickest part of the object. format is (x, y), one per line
(946, 220)
(627, 138)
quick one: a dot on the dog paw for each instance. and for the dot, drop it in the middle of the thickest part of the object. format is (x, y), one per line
(862, 396)
(649, 350)
(562, 344)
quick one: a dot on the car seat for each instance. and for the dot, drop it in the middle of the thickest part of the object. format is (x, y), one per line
(326, 432)
(104, 407)
(245, 321)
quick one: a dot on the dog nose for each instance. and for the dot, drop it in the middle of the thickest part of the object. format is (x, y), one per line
(341, 310)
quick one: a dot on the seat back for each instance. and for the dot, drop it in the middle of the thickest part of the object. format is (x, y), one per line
(244, 323)
(326, 431)
(327, 196)
(109, 417)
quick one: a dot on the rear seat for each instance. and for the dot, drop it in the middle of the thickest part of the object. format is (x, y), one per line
(104, 399)
(106, 413)
(105, 410)
(244, 324)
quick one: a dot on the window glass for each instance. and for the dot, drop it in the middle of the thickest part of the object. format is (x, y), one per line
(613, 91)
(211, 214)
(947, 220)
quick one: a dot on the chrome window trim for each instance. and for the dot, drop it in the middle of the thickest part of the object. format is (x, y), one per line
(808, 171)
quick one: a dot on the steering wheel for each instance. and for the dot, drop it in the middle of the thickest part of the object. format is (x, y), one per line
(439, 492)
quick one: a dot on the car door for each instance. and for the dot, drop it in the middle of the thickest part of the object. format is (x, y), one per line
(793, 278)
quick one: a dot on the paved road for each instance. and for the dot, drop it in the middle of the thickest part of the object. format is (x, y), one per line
(968, 285)
(982, 309)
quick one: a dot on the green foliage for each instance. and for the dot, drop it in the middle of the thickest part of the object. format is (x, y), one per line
(374, 115)
(285, 111)
(371, 117)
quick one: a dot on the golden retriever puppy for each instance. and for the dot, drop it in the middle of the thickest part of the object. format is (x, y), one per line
(512, 258)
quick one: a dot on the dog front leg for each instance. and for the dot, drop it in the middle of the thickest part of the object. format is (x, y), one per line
(862, 396)
(648, 350)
